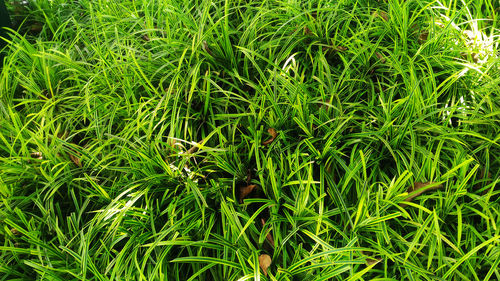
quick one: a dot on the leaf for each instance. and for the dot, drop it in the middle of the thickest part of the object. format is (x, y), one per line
(75, 159)
(36, 27)
(264, 262)
(15, 232)
(307, 31)
(206, 48)
(380, 57)
(249, 176)
(325, 104)
(244, 191)
(334, 48)
(423, 36)
(340, 48)
(471, 55)
(470, 35)
(370, 261)
(484, 180)
(418, 188)
(36, 155)
(145, 37)
(381, 14)
(273, 134)
(269, 237)
(63, 135)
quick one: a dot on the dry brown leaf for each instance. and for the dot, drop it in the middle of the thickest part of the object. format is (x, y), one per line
(75, 159)
(334, 48)
(325, 104)
(486, 180)
(244, 191)
(145, 37)
(307, 31)
(328, 168)
(63, 134)
(206, 48)
(37, 155)
(36, 27)
(264, 262)
(340, 48)
(273, 134)
(384, 15)
(470, 35)
(423, 36)
(249, 176)
(381, 14)
(370, 261)
(380, 57)
(473, 56)
(417, 189)
(269, 237)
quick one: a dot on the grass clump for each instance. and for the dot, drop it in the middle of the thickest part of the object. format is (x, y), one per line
(238, 140)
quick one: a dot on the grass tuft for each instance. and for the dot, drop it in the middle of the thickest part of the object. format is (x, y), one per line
(250, 140)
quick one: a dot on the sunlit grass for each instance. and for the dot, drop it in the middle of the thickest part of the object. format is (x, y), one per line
(136, 141)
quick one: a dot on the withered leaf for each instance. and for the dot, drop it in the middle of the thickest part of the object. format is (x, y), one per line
(36, 27)
(264, 262)
(249, 176)
(381, 14)
(380, 57)
(423, 36)
(273, 134)
(472, 55)
(75, 160)
(484, 180)
(145, 37)
(333, 48)
(206, 48)
(15, 231)
(469, 34)
(417, 189)
(340, 48)
(269, 237)
(325, 104)
(63, 135)
(328, 168)
(244, 191)
(36, 155)
(371, 260)
(307, 31)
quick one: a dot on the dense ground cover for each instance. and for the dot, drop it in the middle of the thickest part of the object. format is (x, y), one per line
(241, 140)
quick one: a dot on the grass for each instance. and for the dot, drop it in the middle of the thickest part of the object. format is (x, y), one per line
(132, 131)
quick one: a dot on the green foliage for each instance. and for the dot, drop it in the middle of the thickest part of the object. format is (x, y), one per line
(129, 128)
